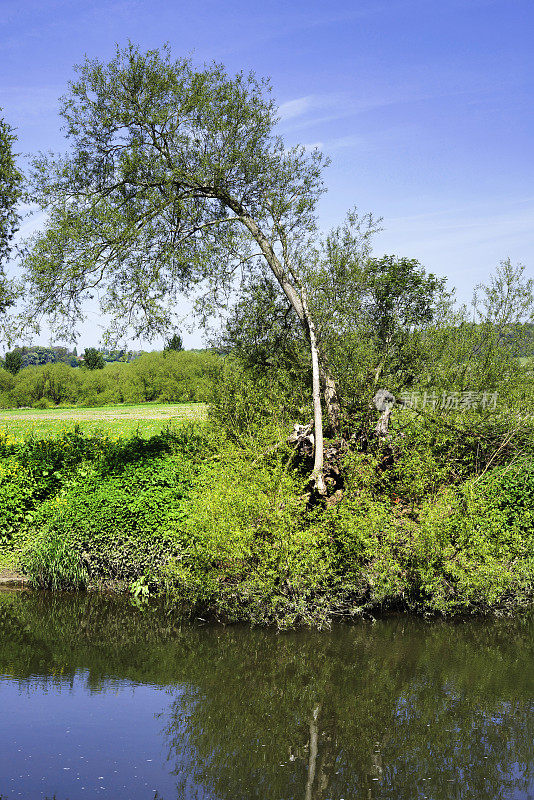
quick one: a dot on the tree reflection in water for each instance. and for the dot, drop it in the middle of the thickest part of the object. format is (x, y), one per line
(398, 710)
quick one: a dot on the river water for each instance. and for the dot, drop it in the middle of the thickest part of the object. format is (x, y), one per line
(100, 699)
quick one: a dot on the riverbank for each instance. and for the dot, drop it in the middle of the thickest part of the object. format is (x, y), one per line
(231, 533)
(11, 577)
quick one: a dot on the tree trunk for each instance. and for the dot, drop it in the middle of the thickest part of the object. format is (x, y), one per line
(317, 475)
(333, 408)
(298, 303)
(383, 401)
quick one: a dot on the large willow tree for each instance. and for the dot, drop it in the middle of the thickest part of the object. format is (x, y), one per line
(174, 180)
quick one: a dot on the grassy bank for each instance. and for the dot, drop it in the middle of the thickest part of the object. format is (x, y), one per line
(147, 419)
(428, 521)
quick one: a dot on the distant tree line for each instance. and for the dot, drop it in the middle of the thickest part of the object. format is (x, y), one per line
(35, 355)
(168, 376)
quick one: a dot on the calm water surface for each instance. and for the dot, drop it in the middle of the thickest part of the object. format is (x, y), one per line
(101, 700)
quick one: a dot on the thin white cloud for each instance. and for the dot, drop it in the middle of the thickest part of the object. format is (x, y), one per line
(303, 106)
(294, 108)
(377, 139)
(311, 111)
(465, 224)
(465, 243)
(352, 140)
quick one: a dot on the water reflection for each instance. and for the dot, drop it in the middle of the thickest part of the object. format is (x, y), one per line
(400, 709)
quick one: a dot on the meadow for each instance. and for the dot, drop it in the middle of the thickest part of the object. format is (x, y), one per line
(146, 419)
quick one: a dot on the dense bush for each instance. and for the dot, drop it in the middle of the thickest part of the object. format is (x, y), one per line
(250, 553)
(116, 517)
(18, 494)
(92, 507)
(475, 542)
(99, 530)
(429, 451)
(170, 376)
(34, 470)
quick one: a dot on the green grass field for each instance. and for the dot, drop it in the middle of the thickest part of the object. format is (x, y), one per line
(116, 420)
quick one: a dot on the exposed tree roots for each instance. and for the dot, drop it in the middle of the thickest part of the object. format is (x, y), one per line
(303, 440)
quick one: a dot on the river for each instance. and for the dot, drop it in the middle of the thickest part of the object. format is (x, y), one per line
(102, 699)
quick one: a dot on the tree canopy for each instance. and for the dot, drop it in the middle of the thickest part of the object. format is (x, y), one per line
(13, 361)
(10, 195)
(174, 343)
(93, 359)
(174, 177)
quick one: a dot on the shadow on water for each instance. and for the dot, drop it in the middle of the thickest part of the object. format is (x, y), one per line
(398, 710)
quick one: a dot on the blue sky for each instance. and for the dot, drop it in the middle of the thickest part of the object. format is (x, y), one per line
(425, 107)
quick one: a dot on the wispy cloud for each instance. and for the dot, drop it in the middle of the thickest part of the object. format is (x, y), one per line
(466, 242)
(342, 142)
(408, 89)
(466, 221)
(294, 108)
(363, 143)
(304, 106)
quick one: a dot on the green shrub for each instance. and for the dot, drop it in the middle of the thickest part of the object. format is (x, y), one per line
(6, 401)
(18, 491)
(474, 548)
(110, 533)
(34, 470)
(431, 451)
(117, 513)
(42, 403)
(511, 490)
(249, 552)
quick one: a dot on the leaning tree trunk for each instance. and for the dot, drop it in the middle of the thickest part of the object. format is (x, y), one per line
(298, 302)
(318, 474)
